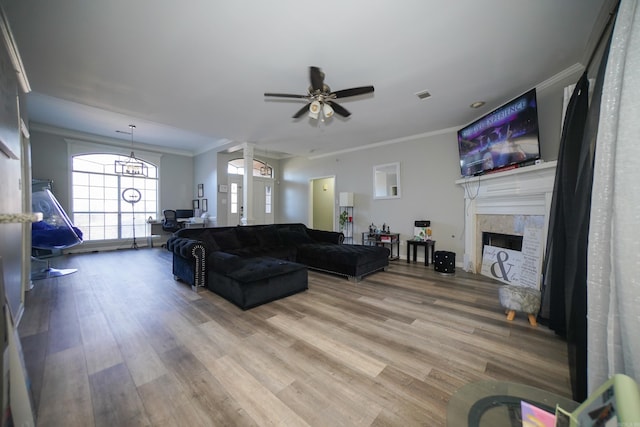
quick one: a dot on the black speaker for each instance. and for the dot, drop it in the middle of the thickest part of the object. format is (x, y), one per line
(422, 223)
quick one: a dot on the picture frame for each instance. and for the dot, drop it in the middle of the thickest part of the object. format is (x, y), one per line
(200, 190)
(205, 205)
(196, 204)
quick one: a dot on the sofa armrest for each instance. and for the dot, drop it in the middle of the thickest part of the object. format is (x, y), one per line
(183, 246)
(324, 236)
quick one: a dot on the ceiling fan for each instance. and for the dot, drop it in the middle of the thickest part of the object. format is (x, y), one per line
(320, 98)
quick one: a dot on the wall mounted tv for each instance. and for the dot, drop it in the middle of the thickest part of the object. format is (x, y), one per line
(506, 136)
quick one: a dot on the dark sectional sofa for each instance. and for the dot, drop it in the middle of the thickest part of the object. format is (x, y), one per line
(251, 265)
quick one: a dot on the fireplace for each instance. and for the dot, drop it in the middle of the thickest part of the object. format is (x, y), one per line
(505, 203)
(500, 240)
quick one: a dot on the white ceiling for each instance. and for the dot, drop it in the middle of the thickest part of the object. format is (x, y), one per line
(192, 75)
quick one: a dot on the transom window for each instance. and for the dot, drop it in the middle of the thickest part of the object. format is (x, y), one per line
(260, 168)
(98, 207)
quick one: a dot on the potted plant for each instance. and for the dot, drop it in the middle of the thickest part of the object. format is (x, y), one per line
(344, 217)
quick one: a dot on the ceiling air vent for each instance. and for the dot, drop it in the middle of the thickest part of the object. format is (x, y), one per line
(423, 94)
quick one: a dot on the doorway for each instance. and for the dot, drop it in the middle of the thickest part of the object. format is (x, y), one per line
(322, 200)
(263, 202)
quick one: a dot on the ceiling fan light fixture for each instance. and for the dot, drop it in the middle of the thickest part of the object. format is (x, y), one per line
(314, 109)
(327, 110)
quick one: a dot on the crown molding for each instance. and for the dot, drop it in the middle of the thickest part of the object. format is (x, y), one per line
(81, 136)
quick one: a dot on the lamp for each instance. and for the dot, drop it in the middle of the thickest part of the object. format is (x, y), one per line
(327, 110)
(314, 109)
(131, 166)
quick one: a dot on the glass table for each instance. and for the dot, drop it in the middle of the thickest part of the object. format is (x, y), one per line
(497, 404)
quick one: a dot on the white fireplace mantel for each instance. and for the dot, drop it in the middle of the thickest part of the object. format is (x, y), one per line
(522, 191)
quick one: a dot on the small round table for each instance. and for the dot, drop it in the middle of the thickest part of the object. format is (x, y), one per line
(497, 404)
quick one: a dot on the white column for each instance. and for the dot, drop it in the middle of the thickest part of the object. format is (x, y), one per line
(470, 223)
(247, 184)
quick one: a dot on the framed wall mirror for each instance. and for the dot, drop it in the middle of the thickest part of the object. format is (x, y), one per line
(386, 181)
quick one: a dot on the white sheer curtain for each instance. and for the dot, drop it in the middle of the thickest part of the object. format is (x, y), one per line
(614, 235)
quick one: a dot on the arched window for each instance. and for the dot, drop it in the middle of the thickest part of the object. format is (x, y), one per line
(260, 168)
(98, 207)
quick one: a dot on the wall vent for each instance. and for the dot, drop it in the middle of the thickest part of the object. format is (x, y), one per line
(423, 94)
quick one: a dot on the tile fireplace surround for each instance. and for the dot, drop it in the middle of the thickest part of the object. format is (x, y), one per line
(505, 202)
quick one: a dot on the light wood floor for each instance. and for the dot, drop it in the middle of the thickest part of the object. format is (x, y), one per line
(121, 343)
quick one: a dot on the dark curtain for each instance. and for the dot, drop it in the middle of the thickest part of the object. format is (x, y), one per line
(564, 306)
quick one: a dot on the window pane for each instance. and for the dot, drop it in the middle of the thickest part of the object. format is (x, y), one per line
(111, 219)
(98, 208)
(81, 205)
(96, 180)
(81, 191)
(111, 232)
(80, 178)
(111, 181)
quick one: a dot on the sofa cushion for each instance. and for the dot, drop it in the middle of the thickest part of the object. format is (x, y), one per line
(209, 242)
(294, 237)
(227, 239)
(247, 236)
(224, 262)
(268, 236)
(264, 267)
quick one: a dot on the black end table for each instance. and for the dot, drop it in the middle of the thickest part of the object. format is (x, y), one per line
(429, 246)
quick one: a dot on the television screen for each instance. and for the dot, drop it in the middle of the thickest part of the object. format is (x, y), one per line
(504, 137)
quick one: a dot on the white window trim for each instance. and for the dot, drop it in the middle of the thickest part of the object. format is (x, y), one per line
(76, 147)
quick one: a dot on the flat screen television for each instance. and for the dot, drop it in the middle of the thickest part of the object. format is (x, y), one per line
(506, 136)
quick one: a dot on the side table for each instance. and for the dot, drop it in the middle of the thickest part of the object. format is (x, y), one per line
(384, 239)
(429, 246)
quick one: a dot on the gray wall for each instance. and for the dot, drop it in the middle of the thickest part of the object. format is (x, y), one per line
(429, 169)
(50, 160)
(205, 169)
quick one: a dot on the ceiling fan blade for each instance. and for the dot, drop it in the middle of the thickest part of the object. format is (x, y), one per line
(301, 111)
(353, 91)
(338, 109)
(316, 77)
(285, 95)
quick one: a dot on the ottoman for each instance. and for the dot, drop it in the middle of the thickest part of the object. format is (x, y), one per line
(255, 281)
(353, 261)
(444, 262)
(519, 298)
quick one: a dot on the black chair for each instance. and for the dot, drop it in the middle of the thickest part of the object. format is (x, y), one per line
(170, 222)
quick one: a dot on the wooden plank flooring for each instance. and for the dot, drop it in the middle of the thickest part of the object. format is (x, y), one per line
(121, 343)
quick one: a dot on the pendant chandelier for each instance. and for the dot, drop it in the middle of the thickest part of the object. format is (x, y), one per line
(132, 166)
